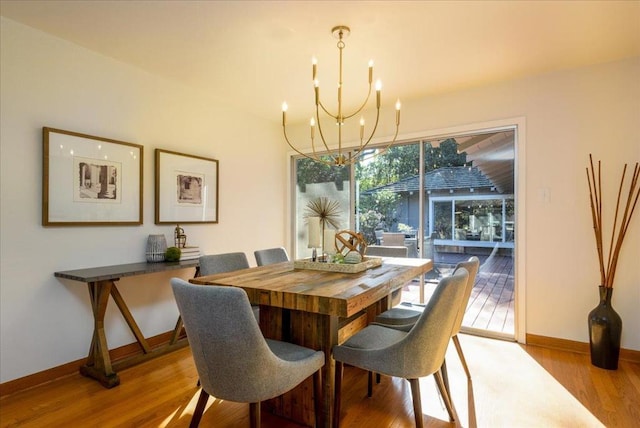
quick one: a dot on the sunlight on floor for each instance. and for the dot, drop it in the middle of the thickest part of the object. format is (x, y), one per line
(504, 377)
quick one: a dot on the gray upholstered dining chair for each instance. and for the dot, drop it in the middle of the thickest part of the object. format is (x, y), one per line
(220, 263)
(271, 255)
(226, 262)
(234, 361)
(411, 354)
(404, 314)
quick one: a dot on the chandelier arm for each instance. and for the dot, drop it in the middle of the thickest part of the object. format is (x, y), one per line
(333, 116)
(355, 158)
(373, 131)
(382, 151)
(362, 106)
(324, 142)
(313, 158)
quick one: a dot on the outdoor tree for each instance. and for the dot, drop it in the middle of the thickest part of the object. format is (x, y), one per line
(378, 209)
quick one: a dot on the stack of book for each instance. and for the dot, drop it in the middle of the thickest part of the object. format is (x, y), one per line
(189, 253)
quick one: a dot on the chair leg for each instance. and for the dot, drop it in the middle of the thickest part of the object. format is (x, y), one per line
(317, 398)
(370, 383)
(254, 415)
(445, 396)
(456, 342)
(417, 402)
(197, 413)
(337, 394)
(445, 376)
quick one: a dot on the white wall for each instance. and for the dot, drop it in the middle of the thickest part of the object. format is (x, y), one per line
(45, 81)
(568, 115)
(48, 82)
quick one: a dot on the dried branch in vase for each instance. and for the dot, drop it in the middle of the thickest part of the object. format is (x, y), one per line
(609, 262)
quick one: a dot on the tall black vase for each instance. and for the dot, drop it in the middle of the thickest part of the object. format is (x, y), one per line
(605, 329)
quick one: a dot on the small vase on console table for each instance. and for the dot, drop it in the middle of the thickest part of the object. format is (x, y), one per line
(156, 247)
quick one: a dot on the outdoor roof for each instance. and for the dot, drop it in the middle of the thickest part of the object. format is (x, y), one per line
(446, 178)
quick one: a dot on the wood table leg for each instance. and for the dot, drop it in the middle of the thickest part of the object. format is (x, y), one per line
(328, 339)
(98, 365)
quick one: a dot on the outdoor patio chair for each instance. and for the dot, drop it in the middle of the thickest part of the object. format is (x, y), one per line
(387, 251)
(234, 361)
(392, 239)
(410, 354)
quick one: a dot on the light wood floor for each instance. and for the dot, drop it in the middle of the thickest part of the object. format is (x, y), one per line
(510, 388)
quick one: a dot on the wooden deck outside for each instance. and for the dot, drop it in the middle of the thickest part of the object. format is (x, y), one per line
(491, 305)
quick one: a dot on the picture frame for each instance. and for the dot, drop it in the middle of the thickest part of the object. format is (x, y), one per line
(90, 181)
(186, 188)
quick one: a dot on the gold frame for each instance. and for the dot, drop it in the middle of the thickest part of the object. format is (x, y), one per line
(202, 206)
(75, 199)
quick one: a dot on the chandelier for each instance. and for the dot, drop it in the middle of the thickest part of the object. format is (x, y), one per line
(337, 156)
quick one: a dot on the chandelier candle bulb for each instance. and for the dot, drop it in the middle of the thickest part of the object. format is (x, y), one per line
(284, 113)
(314, 64)
(370, 71)
(316, 88)
(312, 122)
(378, 88)
(361, 128)
(398, 113)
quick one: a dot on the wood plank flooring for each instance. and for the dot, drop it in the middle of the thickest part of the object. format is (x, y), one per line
(491, 305)
(513, 385)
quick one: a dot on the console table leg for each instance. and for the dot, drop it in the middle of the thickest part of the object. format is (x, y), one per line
(98, 365)
(133, 326)
(176, 331)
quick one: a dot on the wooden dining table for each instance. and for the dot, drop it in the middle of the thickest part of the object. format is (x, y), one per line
(317, 309)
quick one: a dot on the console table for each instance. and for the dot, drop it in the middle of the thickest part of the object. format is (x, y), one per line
(102, 284)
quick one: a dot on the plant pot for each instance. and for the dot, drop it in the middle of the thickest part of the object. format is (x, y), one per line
(605, 330)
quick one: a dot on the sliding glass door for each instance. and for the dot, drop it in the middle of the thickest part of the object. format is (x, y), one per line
(445, 199)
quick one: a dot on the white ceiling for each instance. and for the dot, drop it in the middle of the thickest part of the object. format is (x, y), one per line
(257, 54)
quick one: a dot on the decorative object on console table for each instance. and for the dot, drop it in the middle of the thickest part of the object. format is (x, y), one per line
(605, 325)
(173, 254)
(190, 252)
(179, 237)
(156, 248)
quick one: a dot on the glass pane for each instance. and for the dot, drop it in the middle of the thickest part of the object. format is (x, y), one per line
(388, 196)
(442, 221)
(315, 180)
(509, 221)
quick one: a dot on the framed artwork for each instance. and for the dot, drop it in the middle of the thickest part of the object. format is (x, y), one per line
(90, 181)
(186, 188)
